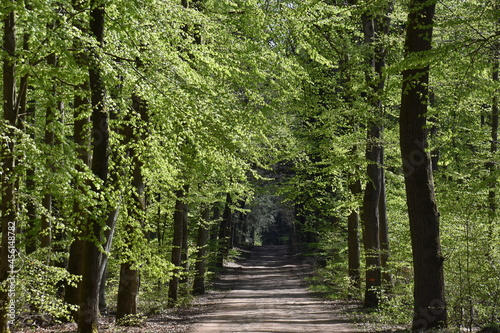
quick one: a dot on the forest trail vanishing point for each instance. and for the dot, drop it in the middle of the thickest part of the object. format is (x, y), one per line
(266, 293)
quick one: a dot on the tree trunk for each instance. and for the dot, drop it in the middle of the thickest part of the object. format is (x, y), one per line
(185, 250)
(384, 229)
(9, 213)
(88, 321)
(72, 293)
(49, 140)
(129, 277)
(370, 218)
(224, 233)
(27, 116)
(179, 216)
(128, 290)
(82, 140)
(201, 244)
(492, 197)
(353, 241)
(373, 28)
(429, 301)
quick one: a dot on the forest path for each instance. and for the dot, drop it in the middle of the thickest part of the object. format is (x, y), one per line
(266, 293)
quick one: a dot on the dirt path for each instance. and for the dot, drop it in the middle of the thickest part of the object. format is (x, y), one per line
(265, 293)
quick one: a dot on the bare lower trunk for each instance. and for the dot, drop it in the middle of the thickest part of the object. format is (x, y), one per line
(201, 244)
(128, 290)
(353, 241)
(429, 301)
(179, 216)
(384, 230)
(224, 233)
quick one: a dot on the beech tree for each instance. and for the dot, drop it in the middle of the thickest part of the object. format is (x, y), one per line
(93, 258)
(429, 299)
(8, 159)
(375, 27)
(111, 112)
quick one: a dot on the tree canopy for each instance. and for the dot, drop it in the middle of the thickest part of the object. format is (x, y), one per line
(146, 138)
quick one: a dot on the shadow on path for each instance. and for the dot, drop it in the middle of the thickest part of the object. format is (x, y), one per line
(266, 293)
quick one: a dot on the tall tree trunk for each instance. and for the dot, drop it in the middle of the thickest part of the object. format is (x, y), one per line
(88, 321)
(180, 214)
(128, 290)
(184, 250)
(384, 229)
(82, 140)
(224, 233)
(8, 209)
(492, 197)
(353, 240)
(429, 301)
(373, 27)
(27, 117)
(370, 217)
(49, 140)
(201, 244)
(129, 276)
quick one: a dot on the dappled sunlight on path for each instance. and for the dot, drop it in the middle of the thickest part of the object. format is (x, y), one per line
(266, 294)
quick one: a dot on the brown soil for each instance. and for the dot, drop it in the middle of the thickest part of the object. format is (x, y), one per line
(266, 293)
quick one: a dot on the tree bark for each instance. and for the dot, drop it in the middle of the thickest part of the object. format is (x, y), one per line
(88, 321)
(429, 300)
(201, 244)
(27, 118)
(128, 290)
(9, 213)
(180, 214)
(353, 241)
(49, 140)
(370, 217)
(384, 230)
(492, 196)
(184, 250)
(129, 277)
(224, 233)
(373, 27)
(82, 140)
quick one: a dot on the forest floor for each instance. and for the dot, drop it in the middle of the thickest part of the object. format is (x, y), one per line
(263, 292)
(266, 293)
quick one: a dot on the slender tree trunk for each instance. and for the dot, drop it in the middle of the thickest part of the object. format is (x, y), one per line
(27, 110)
(179, 216)
(214, 233)
(201, 244)
(185, 250)
(224, 233)
(9, 214)
(227, 215)
(373, 27)
(88, 321)
(384, 229)
(429, 301)
(102, 289)
(370, 217)
(49, 140)
(353, 241)
(492, 197)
